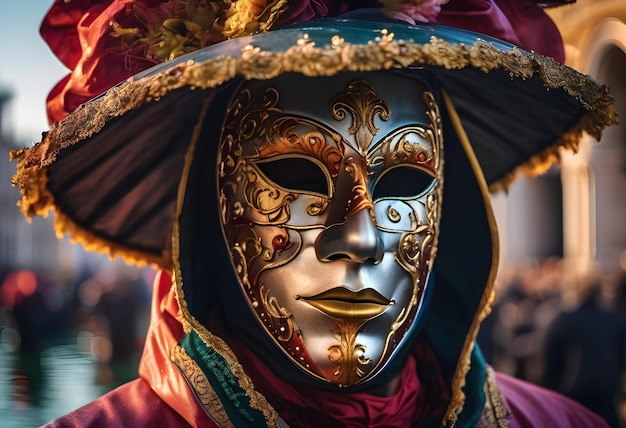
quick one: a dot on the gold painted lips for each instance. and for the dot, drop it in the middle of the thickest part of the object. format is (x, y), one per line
(341, 303)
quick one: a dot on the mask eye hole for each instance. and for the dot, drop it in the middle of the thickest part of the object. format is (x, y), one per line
(296, 174)
(402, 182)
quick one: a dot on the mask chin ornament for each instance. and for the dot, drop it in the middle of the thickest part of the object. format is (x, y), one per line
(330, 193)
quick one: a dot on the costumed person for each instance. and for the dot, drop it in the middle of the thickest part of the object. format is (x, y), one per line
(315, 193)
(573, 365)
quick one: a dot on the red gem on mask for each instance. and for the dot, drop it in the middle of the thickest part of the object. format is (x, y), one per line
(279, 242)
(419, 157)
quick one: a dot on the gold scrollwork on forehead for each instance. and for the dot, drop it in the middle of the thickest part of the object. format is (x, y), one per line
(400, 148)
(289, 134)
(364, 105)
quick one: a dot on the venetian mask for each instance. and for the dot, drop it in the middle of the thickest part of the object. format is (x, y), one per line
(330, 193)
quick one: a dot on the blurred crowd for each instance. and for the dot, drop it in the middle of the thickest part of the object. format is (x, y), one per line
(102, 312)
(566, 334)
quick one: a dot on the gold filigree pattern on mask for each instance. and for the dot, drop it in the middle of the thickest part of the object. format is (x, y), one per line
(265, 197)
(364, 105)
(250, 119)
(284, 138)
(361, 198)
(405, 146)
(435, 132)
(348, 354)
(418, 247)
(318, 207)
(247, 248)
(244, 250)
(251, 204)
(231, 152)
(433, 213)
(417, 251)
(282, 325)
(401, 148)
(258, 203)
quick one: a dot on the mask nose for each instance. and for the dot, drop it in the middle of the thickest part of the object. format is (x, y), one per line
(357, 239)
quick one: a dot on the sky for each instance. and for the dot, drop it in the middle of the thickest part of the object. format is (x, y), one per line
(28, 69)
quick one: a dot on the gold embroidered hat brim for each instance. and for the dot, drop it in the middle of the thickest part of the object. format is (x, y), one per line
(110, 171)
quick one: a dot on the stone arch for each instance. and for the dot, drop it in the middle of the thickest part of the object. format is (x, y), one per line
(606, 56)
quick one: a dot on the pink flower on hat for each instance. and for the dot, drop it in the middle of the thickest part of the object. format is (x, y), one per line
(413, 11)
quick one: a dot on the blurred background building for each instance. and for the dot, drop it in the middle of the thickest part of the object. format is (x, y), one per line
(578, 211)
(21, 245)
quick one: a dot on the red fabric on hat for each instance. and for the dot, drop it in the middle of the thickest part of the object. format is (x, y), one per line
(482, 16)
(59, 29)
(306, 10)
(520, 22)
(535, 30)
(79, 33)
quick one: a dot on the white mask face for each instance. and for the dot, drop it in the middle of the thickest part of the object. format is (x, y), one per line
(330, 196)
